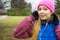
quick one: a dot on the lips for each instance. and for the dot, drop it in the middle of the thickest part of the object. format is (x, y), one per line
(42, 16)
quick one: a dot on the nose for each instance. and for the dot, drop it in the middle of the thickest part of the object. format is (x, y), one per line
(41, 12)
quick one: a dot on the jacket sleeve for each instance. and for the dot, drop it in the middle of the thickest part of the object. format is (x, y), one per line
(24, 28)
(57, 30)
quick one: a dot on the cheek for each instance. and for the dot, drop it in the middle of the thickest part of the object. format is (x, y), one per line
(47, 16)
(39, 14)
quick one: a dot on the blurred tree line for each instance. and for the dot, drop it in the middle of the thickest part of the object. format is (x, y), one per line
(19, 8)
(57, 7)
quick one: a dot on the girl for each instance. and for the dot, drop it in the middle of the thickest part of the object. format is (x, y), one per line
(42, 24)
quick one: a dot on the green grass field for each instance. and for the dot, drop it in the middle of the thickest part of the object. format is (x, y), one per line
(7, 26)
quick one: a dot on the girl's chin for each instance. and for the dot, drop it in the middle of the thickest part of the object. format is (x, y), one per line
(43, 18)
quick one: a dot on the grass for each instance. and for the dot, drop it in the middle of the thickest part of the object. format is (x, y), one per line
(11, 20)
(7, 26)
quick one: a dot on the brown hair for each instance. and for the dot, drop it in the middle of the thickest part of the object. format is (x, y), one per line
(36, 29)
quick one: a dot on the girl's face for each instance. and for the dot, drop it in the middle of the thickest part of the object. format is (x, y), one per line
(44, 13)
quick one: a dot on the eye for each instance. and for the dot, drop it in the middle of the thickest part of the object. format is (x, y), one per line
(39, 9)
(45, 9)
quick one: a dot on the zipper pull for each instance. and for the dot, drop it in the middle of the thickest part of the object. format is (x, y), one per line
(46, 24)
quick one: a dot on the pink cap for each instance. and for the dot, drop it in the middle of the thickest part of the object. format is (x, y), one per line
(48, 3)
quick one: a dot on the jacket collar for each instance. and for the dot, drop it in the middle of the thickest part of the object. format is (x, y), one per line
(47, 21)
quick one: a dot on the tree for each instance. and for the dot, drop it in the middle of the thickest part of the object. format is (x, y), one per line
(1, 4)
(18, 4)
(57, 6)
(2, 10)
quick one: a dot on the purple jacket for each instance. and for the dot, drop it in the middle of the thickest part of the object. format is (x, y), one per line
(24, 28)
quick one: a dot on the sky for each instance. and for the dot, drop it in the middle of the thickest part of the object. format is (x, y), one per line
(34, 4)
(7, 5)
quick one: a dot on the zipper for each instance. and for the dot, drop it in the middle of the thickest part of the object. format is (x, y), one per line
(43, 30)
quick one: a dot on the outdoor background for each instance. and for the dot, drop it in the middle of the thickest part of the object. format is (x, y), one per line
(14, 11)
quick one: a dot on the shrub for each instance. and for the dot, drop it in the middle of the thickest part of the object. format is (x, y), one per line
(18, 12)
